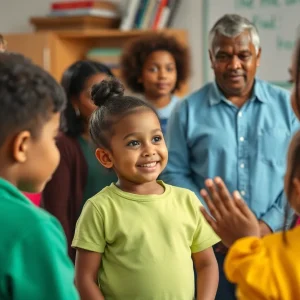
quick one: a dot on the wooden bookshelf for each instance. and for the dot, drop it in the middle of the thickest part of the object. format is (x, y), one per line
(56, 50)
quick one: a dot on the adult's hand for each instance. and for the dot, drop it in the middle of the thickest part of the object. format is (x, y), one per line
(230, 217)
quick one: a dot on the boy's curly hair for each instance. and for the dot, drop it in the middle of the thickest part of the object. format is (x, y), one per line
(136, 52)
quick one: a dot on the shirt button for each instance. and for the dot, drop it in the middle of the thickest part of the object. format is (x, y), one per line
(240, 114)
(242, 138)
(243, 193)
(242, 166)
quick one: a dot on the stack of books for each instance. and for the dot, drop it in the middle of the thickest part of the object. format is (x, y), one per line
(149, 14)
(107, 56)
(105, 9)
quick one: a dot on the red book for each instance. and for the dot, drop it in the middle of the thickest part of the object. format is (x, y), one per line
(161, 6)
(83, 4)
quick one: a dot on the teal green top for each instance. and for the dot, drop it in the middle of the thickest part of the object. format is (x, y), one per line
(98, 176)
(33, 251)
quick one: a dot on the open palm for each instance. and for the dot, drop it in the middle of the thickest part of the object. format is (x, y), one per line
(229, 215)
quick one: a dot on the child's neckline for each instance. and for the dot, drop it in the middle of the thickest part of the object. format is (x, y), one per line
(141, 197)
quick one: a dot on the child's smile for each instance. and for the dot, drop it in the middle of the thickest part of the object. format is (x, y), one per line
(138, 149)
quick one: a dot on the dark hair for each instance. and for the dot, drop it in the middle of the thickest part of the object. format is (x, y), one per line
(108, 95)
(295, 156)
(294, 172)
(136, 52)
(28, 96)
(73, 82)
(297, 82)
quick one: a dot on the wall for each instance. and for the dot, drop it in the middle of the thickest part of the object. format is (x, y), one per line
(14, 16)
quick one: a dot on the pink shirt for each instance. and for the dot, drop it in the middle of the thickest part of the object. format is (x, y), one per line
(34, 198)
(298, 221)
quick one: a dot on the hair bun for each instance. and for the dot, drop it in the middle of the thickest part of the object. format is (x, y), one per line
(105, 90)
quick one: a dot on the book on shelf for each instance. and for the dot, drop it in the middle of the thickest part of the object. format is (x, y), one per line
(84, 12)
(149, 14)
(129, 14)
(61, 5)
(104, 9)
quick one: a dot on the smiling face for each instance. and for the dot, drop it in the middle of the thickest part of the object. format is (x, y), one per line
(138, 151)
(234, 61)
(159, 74)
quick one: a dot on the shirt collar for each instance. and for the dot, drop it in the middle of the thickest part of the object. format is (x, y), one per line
(10, 191)
(216, 96)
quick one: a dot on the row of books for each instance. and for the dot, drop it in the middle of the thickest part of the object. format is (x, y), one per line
(149, 14)
(108, 56)
(105, 9)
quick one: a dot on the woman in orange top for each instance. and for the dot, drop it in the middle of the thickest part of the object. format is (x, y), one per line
(268, 267)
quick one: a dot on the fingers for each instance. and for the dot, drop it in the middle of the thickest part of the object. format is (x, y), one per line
(214, 193)
(240, 204)
(212, 208)
(224, 194)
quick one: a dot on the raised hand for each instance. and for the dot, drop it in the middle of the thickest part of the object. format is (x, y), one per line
(230, 216)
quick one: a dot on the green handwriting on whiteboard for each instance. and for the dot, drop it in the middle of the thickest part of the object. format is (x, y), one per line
(282, 44)
(291, 2)
(265, 22)
(269, 3)
(244, 3)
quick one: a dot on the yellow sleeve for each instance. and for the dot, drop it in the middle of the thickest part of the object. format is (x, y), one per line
(89, 232)
(204, 236)
(248, 264)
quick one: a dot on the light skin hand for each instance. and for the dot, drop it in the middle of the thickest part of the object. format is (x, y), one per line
(230, 217)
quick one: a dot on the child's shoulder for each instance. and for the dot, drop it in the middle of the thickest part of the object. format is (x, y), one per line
(182, 194)
(104, 197)
(21, 214)
(177, 189)
(21, 221)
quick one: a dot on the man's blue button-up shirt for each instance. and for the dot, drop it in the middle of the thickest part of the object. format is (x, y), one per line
(209, 136)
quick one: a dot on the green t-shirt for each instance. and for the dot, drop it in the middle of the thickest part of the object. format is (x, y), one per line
(98, 177)
(146, 241)
(33, 251)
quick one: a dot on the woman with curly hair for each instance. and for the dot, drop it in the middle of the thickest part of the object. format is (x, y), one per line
(156, 65)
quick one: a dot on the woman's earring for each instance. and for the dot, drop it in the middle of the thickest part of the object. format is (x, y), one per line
(77, 111)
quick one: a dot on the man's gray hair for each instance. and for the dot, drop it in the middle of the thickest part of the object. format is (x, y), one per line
(231, 25)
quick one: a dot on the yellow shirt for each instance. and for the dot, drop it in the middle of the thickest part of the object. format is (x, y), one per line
(146, 241)
(266, 268)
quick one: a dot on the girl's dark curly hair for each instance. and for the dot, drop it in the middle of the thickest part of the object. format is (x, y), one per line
(137, 50)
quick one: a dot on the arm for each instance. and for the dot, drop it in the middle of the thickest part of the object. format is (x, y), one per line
(207, 274)
(42, 269)
(178, 170)
(87, 266)
(56, 193)
(89, 241)
(246, 261)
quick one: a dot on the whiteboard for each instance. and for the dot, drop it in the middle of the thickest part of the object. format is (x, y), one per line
(276, 21)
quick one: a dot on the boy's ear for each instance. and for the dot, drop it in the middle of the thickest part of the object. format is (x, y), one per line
(104, 157)
(20, 146)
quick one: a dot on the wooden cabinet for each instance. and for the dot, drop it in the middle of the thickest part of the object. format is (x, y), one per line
(55, 51)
